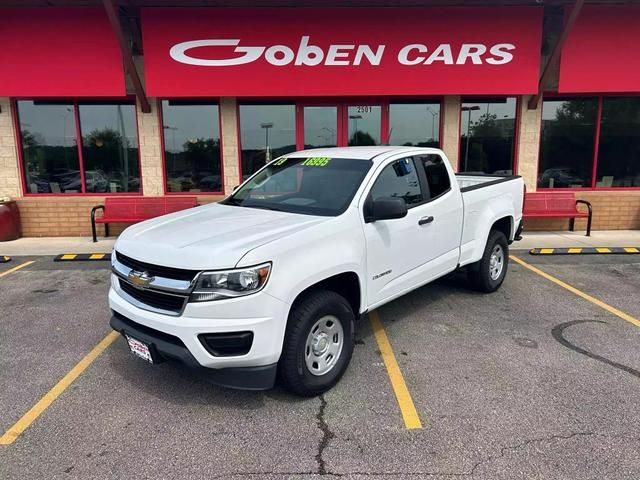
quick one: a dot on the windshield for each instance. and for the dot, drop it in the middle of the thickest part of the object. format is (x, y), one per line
(309, 185)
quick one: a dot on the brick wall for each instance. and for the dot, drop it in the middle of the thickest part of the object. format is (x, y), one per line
(9, 176)
(611, 211)
(450, 128)
(68, 216)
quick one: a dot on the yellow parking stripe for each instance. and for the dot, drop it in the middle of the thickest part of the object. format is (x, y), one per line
(403, 397)
(589, 298)
(574, 250)
(96, 256)
(603, 250)
(68, 256)
(28, 418)
(631, 250)
(546, 250)
(18, 267)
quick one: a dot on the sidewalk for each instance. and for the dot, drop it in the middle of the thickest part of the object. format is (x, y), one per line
(57, 245)
(604, 238)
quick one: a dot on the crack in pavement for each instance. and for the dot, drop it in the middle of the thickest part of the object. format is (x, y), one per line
(327, 435)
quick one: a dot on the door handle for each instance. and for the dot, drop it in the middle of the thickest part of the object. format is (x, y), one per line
(425, 220)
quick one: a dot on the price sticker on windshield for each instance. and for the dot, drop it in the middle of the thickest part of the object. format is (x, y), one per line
(316, 162)
(280, 161)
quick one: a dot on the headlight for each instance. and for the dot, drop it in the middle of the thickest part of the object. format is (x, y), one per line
(230, 283)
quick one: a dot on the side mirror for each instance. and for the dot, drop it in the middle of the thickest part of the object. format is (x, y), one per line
(386, 208)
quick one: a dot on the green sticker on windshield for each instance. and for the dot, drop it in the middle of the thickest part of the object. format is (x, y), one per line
(280, 161)
(316, 161)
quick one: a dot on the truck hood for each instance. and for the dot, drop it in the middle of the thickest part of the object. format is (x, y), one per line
(213, 236)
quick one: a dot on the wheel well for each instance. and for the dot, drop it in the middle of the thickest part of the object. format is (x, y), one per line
(345, 284)
(503, 225)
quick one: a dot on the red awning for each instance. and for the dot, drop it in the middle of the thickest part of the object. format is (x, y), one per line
(601, 52)
(59, 52)
(341, 51)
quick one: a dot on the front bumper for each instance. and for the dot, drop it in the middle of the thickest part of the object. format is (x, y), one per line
(169, 347)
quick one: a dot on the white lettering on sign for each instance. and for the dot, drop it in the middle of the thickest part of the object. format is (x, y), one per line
(310, 55)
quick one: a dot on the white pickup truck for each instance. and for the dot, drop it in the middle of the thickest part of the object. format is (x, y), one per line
(270, 280)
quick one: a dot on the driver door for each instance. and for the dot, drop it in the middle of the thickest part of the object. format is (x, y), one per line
(398, 248)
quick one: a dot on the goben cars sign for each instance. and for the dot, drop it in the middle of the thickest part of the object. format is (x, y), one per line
(313, 55)
(341, 51)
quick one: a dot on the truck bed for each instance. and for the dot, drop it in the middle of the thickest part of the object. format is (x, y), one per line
(468, 182)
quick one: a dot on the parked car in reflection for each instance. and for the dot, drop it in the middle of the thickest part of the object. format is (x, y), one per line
(560, 177)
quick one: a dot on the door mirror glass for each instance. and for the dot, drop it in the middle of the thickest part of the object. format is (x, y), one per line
(387, 208)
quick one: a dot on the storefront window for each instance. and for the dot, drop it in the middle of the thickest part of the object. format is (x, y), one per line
(567, 143)
(49, 147)
(191, 135)
(365, 124)
(619, 148)
(109, 147)
(414, 124)
(266, 132)
(320, 126)
(487, 135)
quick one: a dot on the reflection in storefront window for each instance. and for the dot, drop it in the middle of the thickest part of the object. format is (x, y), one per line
(619, 148)
(266, 132)
(487, 136)
(567, 143)
(414, 124)
(364, 124)
(110, 147)
(191, 147)
(49, 148)
(320, 126)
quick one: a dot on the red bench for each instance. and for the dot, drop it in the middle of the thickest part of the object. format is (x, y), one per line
(136, 209)
(556, 205)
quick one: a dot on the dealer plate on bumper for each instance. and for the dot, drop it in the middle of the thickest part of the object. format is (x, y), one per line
(139, 349)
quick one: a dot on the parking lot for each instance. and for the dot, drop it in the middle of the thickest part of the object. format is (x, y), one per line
(534, 381)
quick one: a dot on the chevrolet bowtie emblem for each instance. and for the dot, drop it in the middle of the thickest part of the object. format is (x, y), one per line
(140, 279)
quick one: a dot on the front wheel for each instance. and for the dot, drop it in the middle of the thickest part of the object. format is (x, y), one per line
(318, 343)
(488, 273)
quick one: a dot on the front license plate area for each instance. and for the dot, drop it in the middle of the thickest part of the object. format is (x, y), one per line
(139, 349)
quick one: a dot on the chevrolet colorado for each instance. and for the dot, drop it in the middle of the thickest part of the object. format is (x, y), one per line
(270, 280)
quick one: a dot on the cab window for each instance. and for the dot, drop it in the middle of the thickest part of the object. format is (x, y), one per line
(437, 175)
(399, 179)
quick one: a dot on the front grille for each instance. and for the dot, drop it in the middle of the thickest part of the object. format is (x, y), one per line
(153, 298)
(157, 270)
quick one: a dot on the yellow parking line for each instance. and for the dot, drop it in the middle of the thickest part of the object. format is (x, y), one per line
(17, 267)
(595, 301)
(631, 250)
(28, 418)
(405, 402)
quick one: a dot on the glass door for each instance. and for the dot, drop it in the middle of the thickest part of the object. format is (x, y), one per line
(364, 125)
(320, 126)
(340, 124)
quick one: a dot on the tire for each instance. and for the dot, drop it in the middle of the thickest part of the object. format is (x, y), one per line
(334, 319)
(482, 274)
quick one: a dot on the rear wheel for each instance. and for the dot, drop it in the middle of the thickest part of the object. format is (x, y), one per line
(318, 343)
(488, 273)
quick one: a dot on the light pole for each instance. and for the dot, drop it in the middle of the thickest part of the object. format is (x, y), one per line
(355, 124)
(433, 122)
(332, 132)
(466, 150)
(266, 126)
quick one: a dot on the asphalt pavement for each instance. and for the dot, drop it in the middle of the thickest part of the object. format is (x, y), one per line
(532, 381)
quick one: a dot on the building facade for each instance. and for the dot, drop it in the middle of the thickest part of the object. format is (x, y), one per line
(205, 96)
